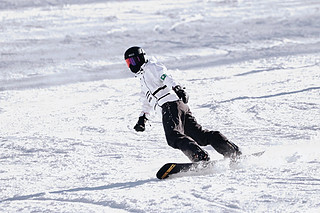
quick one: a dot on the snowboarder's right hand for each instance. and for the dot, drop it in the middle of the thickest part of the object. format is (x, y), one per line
(140, 126)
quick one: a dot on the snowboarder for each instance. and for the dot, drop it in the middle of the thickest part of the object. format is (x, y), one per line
(182, 131)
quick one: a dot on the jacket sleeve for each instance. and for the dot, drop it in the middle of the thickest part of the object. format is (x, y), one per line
(166, 79)
(146, 107)
(169, 81)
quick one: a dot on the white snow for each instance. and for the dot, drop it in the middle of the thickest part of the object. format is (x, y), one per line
(68, 104)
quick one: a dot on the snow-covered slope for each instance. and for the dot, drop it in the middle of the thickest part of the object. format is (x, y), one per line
(68, 104)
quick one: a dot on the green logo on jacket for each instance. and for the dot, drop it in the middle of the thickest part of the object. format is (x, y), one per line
(163, 77)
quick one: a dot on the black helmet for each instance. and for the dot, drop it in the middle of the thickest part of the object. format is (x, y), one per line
(134, 57)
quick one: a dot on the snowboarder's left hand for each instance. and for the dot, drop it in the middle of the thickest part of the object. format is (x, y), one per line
(140, 126)
(181, 93)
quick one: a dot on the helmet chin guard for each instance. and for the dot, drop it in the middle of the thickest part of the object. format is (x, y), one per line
(134, 57)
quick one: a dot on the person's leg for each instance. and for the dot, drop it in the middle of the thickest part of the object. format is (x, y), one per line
(205, 137)
(173, 119)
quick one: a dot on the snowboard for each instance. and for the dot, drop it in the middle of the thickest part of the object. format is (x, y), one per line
(173, 168)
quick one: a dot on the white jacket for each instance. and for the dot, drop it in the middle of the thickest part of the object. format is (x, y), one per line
(156, 86)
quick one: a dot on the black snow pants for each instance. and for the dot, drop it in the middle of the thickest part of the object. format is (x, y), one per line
(183, 131)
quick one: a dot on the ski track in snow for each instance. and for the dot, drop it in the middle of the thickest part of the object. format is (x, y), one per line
(68, 104)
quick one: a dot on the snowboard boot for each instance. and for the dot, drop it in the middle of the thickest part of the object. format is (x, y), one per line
(222, 145)
(196, 154)
(232, 151)
(200, 156)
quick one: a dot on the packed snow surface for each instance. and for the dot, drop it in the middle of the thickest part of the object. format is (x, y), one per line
(68, 104)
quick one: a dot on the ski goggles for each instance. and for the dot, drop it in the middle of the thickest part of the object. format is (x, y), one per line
(133, 61)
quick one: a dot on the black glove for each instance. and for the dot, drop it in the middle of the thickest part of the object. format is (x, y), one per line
(181, 93)
(140, 126)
